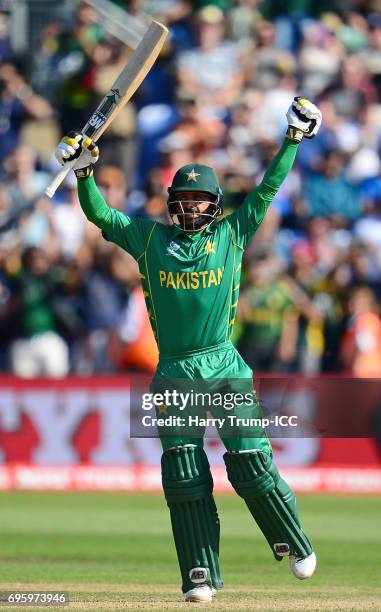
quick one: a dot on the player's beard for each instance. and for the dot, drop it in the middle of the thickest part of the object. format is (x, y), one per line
(191, 220)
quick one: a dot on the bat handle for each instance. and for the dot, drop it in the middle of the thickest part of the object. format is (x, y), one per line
(56, 182)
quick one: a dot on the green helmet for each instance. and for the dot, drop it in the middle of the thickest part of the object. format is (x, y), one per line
(194, 178)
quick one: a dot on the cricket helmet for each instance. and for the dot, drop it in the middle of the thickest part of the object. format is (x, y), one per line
(184, 212)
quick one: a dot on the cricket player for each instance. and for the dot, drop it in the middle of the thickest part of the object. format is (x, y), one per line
(190, 272)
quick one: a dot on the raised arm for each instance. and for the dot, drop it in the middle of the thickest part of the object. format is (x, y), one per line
(246, 220)
(130, 234)
(94, 205)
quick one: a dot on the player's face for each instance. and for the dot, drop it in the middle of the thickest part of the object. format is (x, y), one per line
(197, 200)
(190, 209)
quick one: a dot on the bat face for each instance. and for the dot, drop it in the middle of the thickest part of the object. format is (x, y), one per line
(128, 81)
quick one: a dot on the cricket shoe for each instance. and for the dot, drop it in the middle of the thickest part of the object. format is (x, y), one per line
(203, 593)
(303, 568)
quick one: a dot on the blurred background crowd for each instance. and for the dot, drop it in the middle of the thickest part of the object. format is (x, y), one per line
(310, 299)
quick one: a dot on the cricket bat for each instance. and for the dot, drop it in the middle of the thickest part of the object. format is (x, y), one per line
(132, 75)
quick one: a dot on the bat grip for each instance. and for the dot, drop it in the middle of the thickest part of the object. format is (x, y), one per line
(56, 182)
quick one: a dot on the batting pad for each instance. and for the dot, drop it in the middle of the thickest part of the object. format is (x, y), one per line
(188, 486)
(270, 500)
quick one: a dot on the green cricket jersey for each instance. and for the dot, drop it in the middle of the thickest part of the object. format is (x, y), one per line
(190, 280)
(268, 306)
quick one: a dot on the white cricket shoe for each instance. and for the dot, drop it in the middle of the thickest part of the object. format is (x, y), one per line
(303, 568)
(203, 593)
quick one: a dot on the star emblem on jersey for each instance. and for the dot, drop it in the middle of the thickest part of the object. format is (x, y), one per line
(192, 176)
(163, 409)
(209, 247)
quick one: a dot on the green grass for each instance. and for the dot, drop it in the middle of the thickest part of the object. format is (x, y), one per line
(114, 550)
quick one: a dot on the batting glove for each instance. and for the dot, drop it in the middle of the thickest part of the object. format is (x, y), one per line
(79, 147)
(304, 119)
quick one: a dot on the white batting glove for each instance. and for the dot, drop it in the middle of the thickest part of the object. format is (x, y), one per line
(79, 147)
(304, 119)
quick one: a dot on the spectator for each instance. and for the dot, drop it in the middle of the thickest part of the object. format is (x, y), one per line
(269, 318)
(329, 193)
(269, 63)
(17, 102)
(73, 59)
(211, 71)
(7, 321)
(39, 350)
(361, 347)
(6, 53)
(320, 56)
(353, 90)
(68, 222)
(135, 344)
(112, 182)
(371, 55)
(22, 180)
(103, 301)
(118, 143)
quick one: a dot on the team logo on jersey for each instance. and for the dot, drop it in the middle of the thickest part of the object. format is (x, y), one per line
(173, 247)
(163, 409)
(209, 247)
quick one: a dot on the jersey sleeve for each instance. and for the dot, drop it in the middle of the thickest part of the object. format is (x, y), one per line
(246, 220)
(129, 233)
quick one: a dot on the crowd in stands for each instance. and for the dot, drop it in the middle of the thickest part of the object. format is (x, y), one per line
(310, 298)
